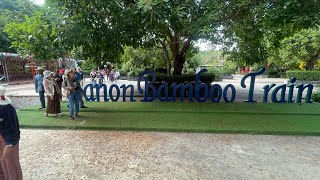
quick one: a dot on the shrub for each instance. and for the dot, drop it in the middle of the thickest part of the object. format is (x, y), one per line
(190, 71)
(87, 66)
(304, 75)
(135, 72)
(214, 71)
(162, 70)
(227, 70)
(123, 72)
(316, 96)
(272, 73)
(131, 74)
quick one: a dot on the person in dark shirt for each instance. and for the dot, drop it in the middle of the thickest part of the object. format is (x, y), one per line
(9, 140)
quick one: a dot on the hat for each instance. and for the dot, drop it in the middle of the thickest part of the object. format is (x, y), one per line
(40, 68)
(47, 73)
(4, 100)
(68, 71)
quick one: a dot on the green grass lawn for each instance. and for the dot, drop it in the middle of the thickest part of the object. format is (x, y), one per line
(255, 118)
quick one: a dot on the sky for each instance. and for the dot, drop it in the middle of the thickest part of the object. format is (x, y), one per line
(40, 2)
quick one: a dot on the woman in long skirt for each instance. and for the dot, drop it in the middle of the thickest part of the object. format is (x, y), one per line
(53, 94)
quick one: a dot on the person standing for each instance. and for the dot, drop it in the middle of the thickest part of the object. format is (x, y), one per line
(111, 75)
(93, 75)
(53, 94)
(38, 79)
(79, 76)
(100, 76)
(73, 95)
(116, 75)
(59, 79)
(10, 168)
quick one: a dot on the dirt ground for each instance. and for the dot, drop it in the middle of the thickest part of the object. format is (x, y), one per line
(63, 154)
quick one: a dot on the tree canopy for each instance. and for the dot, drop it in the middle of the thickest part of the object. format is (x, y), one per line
(253, 29)
(12, 11)
(249, 31)
(302, 46)
(173, 25)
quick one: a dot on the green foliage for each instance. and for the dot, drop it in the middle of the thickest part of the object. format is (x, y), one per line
(135, 72)
(212, 57)
(303, 46)
(170, 24)
(141, 58)
(123, 72)
(191, 71)
(87, 66)
(37, 35)
(304, 75)
(316, 96)
(227, 70)
(131, 74)
(253, 29)
(214, 71)
(13, 10)
(273, 73)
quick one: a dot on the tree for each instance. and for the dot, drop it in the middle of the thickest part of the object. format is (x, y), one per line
(36, 36)
(172, 25)
(12, 10)
(141, 58)
(45, 34)
(250, 29)
(302, 46)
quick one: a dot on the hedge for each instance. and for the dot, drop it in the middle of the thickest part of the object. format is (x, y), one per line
(304, 75)
(272, 73)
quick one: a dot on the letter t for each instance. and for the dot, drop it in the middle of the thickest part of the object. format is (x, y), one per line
(252, 81)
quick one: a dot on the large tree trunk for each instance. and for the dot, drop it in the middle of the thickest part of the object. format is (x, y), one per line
(166, 57)
(179, 56)
(178, 64)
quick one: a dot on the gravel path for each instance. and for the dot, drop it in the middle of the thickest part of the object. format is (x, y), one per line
(20, 102)
(52, 154)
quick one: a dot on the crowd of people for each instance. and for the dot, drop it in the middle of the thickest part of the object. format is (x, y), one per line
(69, 82)
(102, 75)
(54, 85)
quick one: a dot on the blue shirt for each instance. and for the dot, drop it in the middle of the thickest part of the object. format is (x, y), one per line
(79, 75)
(38, 79)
